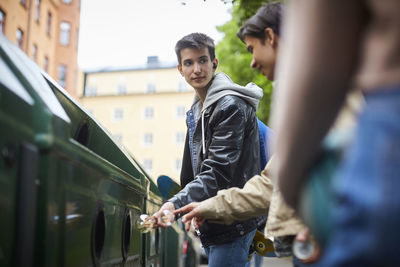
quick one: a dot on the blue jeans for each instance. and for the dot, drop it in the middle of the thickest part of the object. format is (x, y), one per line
(366, 214)
(257, 260)
(231, 254)
(255, 257)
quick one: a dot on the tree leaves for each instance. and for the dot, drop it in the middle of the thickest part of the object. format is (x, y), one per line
(234, 59)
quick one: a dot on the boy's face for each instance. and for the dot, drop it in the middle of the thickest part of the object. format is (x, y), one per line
(197, 67)
(264, 56)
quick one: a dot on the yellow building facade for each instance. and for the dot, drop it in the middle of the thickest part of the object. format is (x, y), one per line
(47, 31)
(144, 109)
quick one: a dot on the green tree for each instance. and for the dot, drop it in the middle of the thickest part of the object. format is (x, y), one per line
(234, 57)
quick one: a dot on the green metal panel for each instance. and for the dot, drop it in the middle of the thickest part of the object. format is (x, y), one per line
(69, 195)
(15, 100)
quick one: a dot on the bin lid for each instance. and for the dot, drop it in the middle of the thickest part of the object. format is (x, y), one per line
(33, 74)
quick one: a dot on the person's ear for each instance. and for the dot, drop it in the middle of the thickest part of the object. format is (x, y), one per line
(179, 67)
(271, 37)
(215, 63)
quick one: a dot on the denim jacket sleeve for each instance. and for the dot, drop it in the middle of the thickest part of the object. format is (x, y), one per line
(230, 149)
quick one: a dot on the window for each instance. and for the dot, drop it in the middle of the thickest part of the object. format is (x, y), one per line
(148, 113)
(118, 114)
(178, 164)
(34, 52)
(180, 112)
(46, 64)
(148, 165)
(121, 90)
(2, 21)
(65, 28)
(20, 38)
(151, 88)
(62, 75)
(67, 1)
(90, 90)
(182, 86)
(148, 139)
(48, 27)
(180, 138)
(37, 10)
(23, 2)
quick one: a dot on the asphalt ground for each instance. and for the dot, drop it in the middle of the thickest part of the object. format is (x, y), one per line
(272, 262)
(275, 262)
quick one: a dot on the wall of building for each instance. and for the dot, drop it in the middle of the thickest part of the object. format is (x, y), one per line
(16, 17)
(47, 43)
(168, 106)
(135, 81)
(67, 54)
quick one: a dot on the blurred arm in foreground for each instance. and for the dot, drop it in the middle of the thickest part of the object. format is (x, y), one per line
(315, 68)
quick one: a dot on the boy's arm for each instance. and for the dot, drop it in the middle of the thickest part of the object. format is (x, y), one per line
(217, 171)
(240, 204)
(317, 59)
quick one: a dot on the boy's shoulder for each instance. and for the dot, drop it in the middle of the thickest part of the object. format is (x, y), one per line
(232, 101)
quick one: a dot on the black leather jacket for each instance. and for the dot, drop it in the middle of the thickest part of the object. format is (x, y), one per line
(230, 158)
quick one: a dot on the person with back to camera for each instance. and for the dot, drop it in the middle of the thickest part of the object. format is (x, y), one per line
(342, 45)
(261, 35)
(221, 147)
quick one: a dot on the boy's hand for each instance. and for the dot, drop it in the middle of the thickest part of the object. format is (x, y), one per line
(192, 212)
(304, 236)
(168, 206)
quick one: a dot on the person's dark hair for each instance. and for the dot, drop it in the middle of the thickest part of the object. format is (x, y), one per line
(268, 16)
(195, 40)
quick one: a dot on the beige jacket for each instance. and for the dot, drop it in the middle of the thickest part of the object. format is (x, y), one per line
(258, 197)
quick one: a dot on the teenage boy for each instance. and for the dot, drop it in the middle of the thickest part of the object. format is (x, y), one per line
(221, 148)
(261, 35)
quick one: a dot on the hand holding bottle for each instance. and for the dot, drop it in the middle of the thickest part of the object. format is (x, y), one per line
(305, 247)
(165, 216)
(146, 223)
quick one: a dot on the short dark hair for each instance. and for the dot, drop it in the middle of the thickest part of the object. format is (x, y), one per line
(268, 16)
(195, 40)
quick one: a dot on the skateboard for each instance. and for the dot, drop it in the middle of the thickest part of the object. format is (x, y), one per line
(262, 246)
(168, 187)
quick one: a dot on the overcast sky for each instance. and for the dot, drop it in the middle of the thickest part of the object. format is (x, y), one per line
(124, 32)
